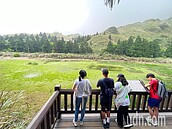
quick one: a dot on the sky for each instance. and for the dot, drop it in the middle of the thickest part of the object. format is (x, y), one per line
(76, 16)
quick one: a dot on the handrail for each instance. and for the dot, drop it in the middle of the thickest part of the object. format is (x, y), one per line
(48, 114)
(61, 102)
(138, 102)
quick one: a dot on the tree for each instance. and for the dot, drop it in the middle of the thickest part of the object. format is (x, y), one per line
(28, 44)
(37, 47)
(19, 45)
(12, 43)
(46, 47)
(2, 43)
(76, 47)
(40, 34)
(34, 45)
(147, 48)
(129, 45)
(110, 48)
(121, 48)
(87, 48)
(59, 46)
(55, 45)
(168, 52)
(110, 38)
(155, 49)
(69, 47)
(110, 3)
(137, 49)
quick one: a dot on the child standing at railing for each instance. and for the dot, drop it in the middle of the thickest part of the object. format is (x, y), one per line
(122, 101)
(82, 90)
(154, 100)
(106, 93)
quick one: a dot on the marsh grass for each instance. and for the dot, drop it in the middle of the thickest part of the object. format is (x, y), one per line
(11, 111)
(36, 90)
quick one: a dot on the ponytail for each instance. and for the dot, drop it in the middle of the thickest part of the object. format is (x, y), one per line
(79, 78)
(82, 74)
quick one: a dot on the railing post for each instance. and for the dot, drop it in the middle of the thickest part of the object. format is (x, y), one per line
(58, 88)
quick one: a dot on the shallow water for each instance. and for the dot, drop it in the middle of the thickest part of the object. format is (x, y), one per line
(32, 75)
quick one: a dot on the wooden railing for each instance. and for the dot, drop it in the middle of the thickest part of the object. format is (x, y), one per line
(50, 112)
(61, 102)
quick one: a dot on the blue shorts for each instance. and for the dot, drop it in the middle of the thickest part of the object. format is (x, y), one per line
(152, 102)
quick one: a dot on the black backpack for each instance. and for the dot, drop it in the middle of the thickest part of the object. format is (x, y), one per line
(108, 91)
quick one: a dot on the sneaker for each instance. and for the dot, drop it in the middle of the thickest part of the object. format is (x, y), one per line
(74, 123)
(104, 125)
(107, 124)
(81, 123)
(149, 121)
(116, 121)
(155, 123)
(128, 126)
(120, 126)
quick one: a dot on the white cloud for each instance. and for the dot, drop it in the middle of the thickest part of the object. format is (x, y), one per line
(33, 16)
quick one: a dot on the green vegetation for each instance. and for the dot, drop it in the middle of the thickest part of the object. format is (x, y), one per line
(31, 82)
(153, 29)
(16, 55)
(43, 43)
(21, 74)
(25, 85)
(153, 33)
(12, 110)
(137, 48)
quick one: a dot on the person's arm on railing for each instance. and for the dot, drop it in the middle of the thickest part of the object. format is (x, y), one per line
(74, 87)
(147, 85)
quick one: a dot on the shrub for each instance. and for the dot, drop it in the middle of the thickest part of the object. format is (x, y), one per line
(32, 63)
(1, 54)
(10, 110)
(16, 55)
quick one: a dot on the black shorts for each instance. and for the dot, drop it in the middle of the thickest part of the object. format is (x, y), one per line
(106, 103)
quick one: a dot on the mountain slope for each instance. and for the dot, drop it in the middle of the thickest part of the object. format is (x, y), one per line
(150, 29)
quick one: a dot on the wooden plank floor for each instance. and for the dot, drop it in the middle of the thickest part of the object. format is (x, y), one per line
(93, 121)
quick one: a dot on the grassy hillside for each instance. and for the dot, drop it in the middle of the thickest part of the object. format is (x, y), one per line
(66, 37)
(149, 29)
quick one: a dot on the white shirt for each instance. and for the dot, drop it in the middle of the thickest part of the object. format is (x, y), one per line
(122, 98)
(82, 86)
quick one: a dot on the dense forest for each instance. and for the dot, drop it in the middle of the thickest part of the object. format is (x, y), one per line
(138, 47)
(133, 47)
(43, 43)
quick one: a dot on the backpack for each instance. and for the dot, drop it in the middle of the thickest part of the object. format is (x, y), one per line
(108, 91)
(162, 91)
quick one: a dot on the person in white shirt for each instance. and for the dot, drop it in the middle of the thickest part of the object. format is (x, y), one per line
(82, 89)
(122, 101)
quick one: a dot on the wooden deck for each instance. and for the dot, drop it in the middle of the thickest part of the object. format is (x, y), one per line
(93, 121)
(56, 112)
